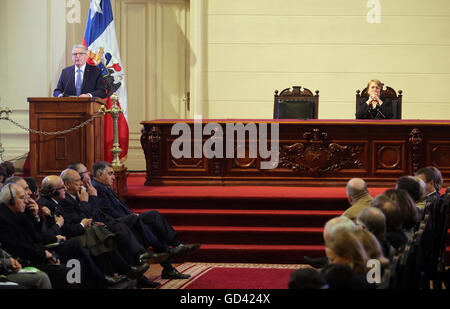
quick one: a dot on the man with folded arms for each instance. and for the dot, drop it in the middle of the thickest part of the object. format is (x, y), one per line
(78, 206)
(158, 233)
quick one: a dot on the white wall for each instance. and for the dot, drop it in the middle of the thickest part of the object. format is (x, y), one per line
(30, 58)
(249, 49)
(257, 46)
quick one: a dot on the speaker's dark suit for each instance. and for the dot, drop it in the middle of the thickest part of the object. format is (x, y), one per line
(93, 82)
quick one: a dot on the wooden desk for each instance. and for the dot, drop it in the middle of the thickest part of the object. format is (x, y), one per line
(312, 153)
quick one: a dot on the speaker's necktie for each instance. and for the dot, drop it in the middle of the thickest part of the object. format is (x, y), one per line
(78, 83)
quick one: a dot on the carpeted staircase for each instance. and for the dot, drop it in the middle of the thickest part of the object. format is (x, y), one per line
(244, 224)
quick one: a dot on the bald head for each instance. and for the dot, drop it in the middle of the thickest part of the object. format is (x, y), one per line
(53, 186)
(341, 223)
(69, 175)
(356, 188)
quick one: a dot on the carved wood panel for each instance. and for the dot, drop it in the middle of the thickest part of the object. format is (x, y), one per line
(389, 157)
(438, 153)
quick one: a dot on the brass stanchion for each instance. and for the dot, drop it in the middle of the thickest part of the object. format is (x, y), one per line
(115, 111)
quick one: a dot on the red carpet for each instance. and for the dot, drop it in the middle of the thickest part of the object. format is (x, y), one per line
(230, 276)
(244, 224)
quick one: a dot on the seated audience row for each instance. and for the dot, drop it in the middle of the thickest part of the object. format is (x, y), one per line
(371, 229)
(75, 219)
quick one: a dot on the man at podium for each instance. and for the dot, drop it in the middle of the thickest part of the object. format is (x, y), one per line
(80, 79)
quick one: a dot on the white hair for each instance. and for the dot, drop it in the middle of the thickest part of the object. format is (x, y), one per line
(341, 223)
(7, 190)
(80, 46)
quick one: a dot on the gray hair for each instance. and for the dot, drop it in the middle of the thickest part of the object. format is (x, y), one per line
(80, 46)
(374, 220)
(336, 224)
(99, 167)
(8, 192)
(67, 174)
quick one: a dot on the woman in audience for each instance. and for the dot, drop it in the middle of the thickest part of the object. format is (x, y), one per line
(345, 248)
(372, 247)
(408, 211)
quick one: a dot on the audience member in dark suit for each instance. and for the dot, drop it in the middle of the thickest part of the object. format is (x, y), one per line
(158, 232)
(373, 106)
(433, 179)
(374, 221)
(77, 206)
(88, 82)
(19, 238)
(394, 232)
(77, 226)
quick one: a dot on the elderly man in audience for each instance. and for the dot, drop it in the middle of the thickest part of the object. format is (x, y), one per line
(358, 196)
(155, 230)
(78, 205)
(80, 227)
(374, 221)
(331, 227)
(19, 237)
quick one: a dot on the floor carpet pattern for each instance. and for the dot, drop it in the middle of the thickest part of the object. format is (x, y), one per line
(230, 276)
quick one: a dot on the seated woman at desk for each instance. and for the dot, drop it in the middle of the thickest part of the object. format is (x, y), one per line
(373, 107)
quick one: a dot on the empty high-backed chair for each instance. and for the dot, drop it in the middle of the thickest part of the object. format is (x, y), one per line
(386, 93)
(296, 104)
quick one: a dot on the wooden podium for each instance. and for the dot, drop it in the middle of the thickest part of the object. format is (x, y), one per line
(50, 154)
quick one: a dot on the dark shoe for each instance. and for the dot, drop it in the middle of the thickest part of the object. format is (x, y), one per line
(137, 271)
(110, 281)
(316, 263)
(173, 274)
(151, 257)
(182, 249)
(144, 282)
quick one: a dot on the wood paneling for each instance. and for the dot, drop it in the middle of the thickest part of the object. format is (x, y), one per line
(313, 152)
(50, 154)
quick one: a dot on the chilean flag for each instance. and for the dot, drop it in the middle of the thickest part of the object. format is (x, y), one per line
(101, 41)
